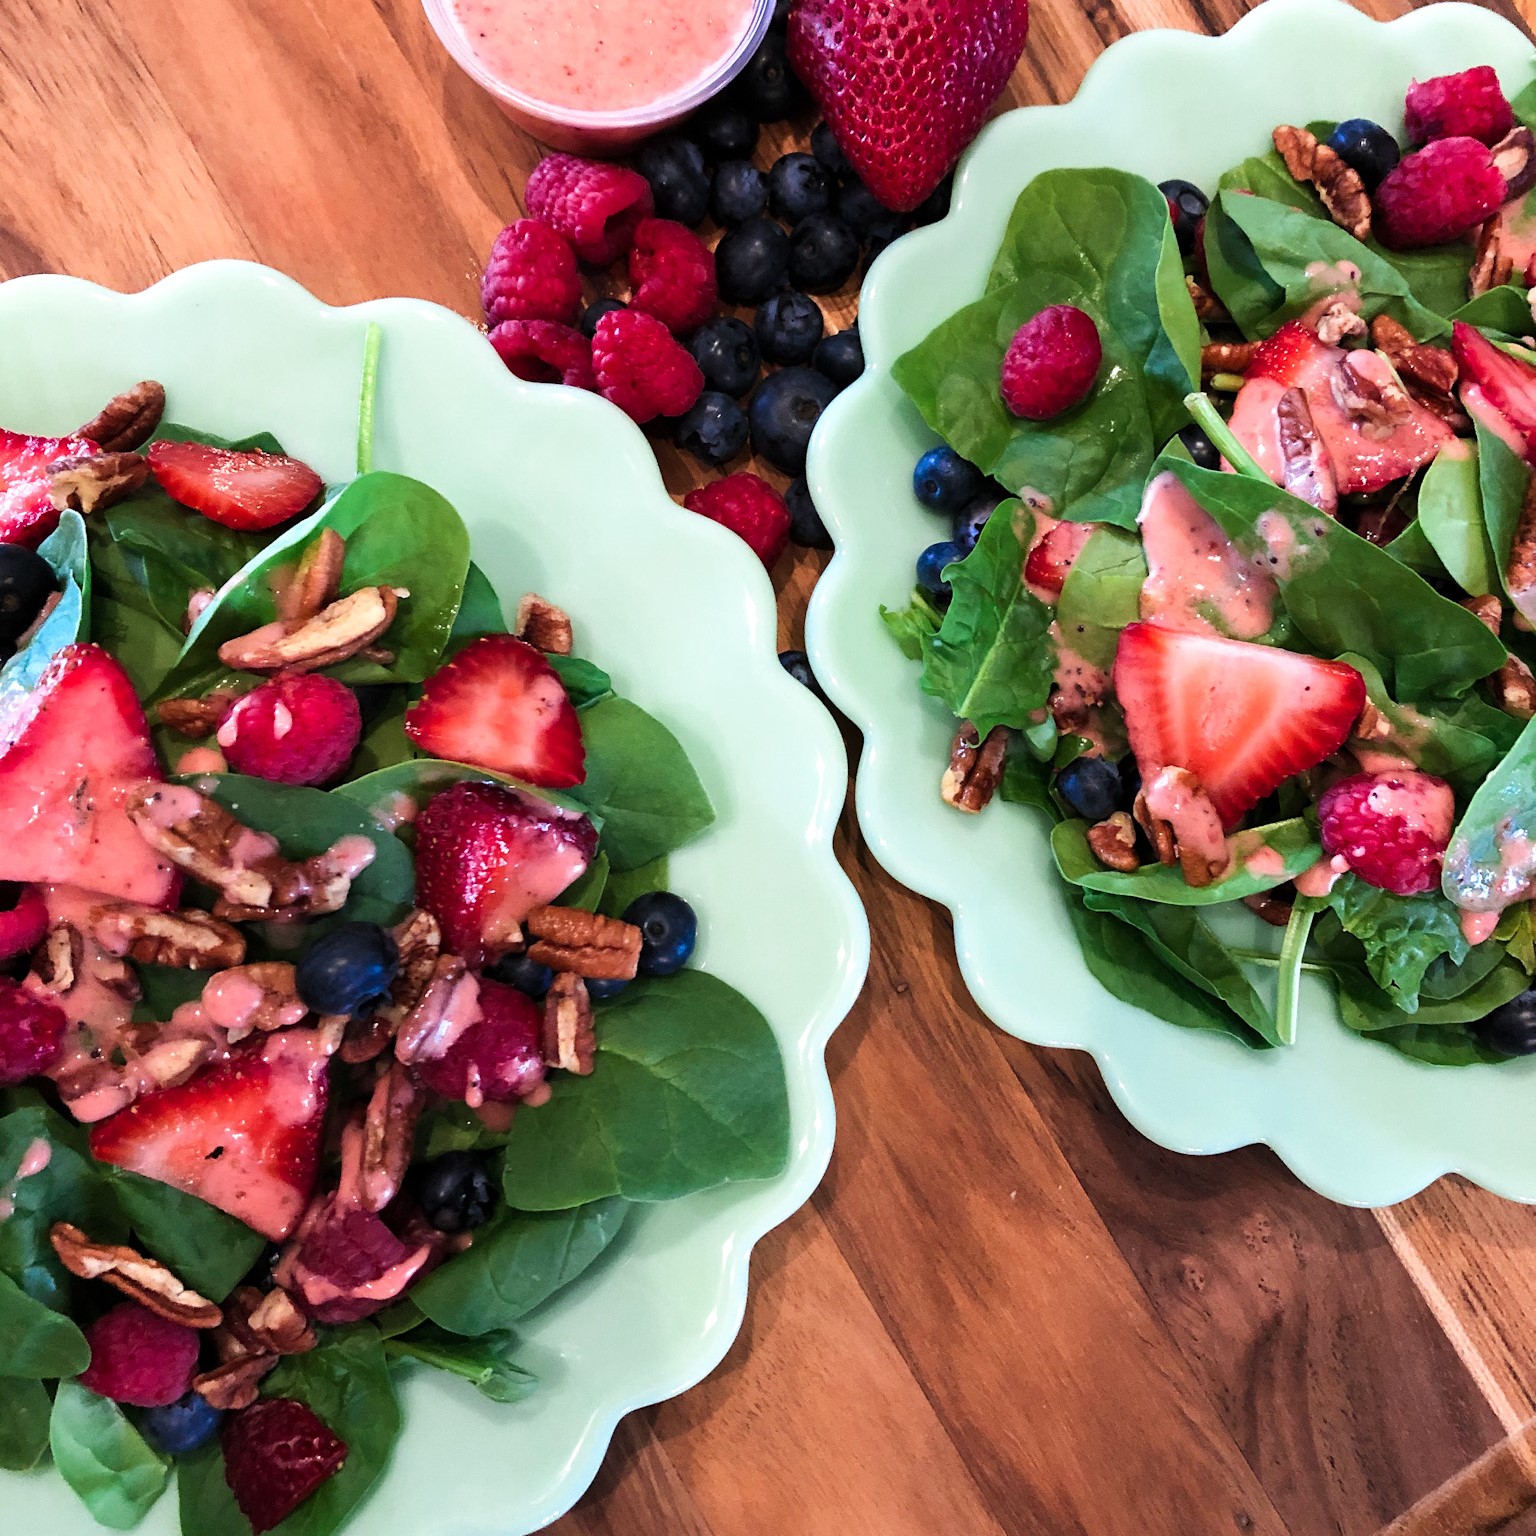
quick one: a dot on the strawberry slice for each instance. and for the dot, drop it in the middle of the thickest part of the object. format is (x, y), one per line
(243, 1135)
(1497, 388)
(72, 750)
(500, 705)
(277, 1453)
(27, 512)
(244, 489)
(1052, 555)
(1242, 718)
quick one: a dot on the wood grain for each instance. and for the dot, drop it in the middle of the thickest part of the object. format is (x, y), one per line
(1004, 1312)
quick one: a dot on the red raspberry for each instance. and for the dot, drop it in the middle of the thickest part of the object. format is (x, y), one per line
(1392, 828)
(642, 368)
(1469, 105)
(545, 352)
(748, 506)
(342, 1262)
(1051, 363)
(23, 926)
(31, 1034)
(672, 272)
(1438, 193)
(500, 1058)
(300, 729)
(531, 276)
(596, 206)
(276, 1453)
(140, 1358)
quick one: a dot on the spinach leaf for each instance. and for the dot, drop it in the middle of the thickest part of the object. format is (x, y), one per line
(622, 889)
(1413, 549)
(1505, 311)
(1026, 780)
(914, 626)
(1100, 240)
(1503, 480)
(123, 616)
(104, 1458)
(1401, 935)
(419, 778)
(384, 743)
(586, 891)
(176, 432)
(1102, 594)
(25, 1408)
(484, 1363)
(35, 1341)
(205, 1503)
(1492, 856)
(585, 681)
(479, 612)
(1517, 933)
(688, 1093)
(1451, 515)
(65, 550)
(518, 1261)
(454, 1127)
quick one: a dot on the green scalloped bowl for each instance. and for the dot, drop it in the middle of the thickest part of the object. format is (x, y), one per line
(1354, 1120)
(561, 494)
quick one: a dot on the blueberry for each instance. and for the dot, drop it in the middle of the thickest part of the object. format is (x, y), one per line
(930, 568)
(601, 988)
(840, 356)
(595, 312)
(867, 216)
(936, 204)
(26, 583)
(828, 152)
(528, 976)
(972, 518)
(347, 969)
(738, 192)
(1200, 448)
(1186, 205)
(263, 1273)
(726, 352)
(188, 1424)
(454, 1192)
(767, 87)
(668, 931)
(1090, 787)
(798, 187)
(823, 251)
(724, 132)
(1511, 1028)
(805, 524)
(788, 327)
(783, 410)
(1366, 146)
(713, 429)
(944, 482)
(674, 166)
(798, 665)
(752, 261)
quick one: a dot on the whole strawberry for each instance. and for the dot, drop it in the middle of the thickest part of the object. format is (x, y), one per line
(301, 729)
(749, 507)
(906, 84)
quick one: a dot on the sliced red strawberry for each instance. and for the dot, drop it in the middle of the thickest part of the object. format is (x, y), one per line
(1052, 555)
(240, 489)
(243, 1135)
(277, 1453)
(1498, 389)
(1274, 423)
(500, 705)
(27, 512)
(72, 750)
(1242, 718)
(486, 856)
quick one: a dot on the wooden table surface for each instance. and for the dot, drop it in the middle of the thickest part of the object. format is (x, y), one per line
(1003, 1311)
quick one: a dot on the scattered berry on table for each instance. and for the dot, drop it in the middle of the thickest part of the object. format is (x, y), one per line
(1089, 787)
(1200, 448)
(936, 205)
(1367, 147)
(594, 204)
(788, 326)
(298, 729)
(828, 152)
(1470, 105)
(1186, 206)
(674, 167)
(1511, 1027)
(595, 312)
(766, 86)
(750, 507)
(22, 924)
(942, 481)
(500, 1057)
(526, 975)
(739, 192)
(752, 261)
(713, 429)
(642, 368)
(798, 186)
(783, 412)
(798, 665)
(31, 1034)
(972, 518)
(276, 1454)
(455, 1193)
(348, 970)
(1393, 828)
(531, 276)
(26, 583)
(183, 1426)
(823, 251)
(867, 216)
(244, 490)
(724, 132)
(726, 352)
(669, 929)
(930, 568)
(672, 273)
(1051, 363)
(27, 512)
(544, 352)
(1437, 194)
(140, 1358)
(600, 989)
(805, 524)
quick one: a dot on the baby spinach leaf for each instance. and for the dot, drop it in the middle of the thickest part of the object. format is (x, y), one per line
(1266, 176)
(1414, 550)
(622, 888)
(1503, 480)
(479, 612)
(65, 550)
(1505, 310)
(453, 1127)
(484, 1363)
(1451, 515)
(585, 681)
(1026, 780)
(176, 432)
(518, 1261)
(586, 891)
(419, 778)
(384, 743)
(104, 1458)
(25, 1408)
(1517, 933)
(205, 1504)
(688, 1093)
(1401, 935)
(1102, 594)
(914, 626)
(123, 616)
(1491, 856)
(35, 1341)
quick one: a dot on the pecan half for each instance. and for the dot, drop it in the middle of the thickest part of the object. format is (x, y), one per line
(542, 624)
(420, 940)
(1159, 832)
(1492, 266)
(127, 420)
(197, 718)
(1339, 322)
(1194, 817)
(1515, 157)
(146, 1281)
(190, 940)
(1209, 310)
(1514, 688)
(449, 1005)
(569, 1041)
(1226, 357)
(1487, 610)
(1305, 470)
(277, 1004)
(262, 1323)
(1422, 368)
(389, 1133)
(64, 961)
(975, 768)
(89, 481)
(340, 630)
(568, 939)
(1337, 183)
(235, 1384)
(1113, 843)
(317, 580)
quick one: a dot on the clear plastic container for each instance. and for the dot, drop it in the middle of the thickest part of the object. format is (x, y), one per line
(598, 132)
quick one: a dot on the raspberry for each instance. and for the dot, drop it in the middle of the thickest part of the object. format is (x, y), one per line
(300, 729)
(342, 1262)
(748, 506)
(498, 1058)
(1469, 105)
(1438, 193)
(23, 926)
(545, 352)
(672, 272)
(276, 1453)
(1051, 363)
(642, 368)
(594, 205)
(1392, 828)
(31, 1034)
(140, 1358)
(531, 276)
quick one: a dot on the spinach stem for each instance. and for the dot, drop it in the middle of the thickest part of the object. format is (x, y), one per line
(1210, 420)
(371, 343)
(1291, 951)
(1266, 957)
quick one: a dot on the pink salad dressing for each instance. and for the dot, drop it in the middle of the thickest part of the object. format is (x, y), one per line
(1333, 275)
(1424, 803)
(34, 1160)
(1196, 826)
(202, 760)
(1476, 887)
(1264, 862)
(1320, 878)
(1517, 234)
(1477, 927)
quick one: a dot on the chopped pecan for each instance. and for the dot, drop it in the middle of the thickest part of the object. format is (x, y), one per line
(1159, 832)
(569, 1041)
(317, 580)
(568, 939)
(257, 1322)
(389, 1132)
(542, 624)
(1487, 610)
(1492, 265)
(448, 1005)
(235, 1384)
(89, 481)
(1424, 369)
(127, 420)
(64, 961)
(1520, 576)
(975, 768)
(1209, 310)
(340, 630)
(189, 940)
(1337, 183)
(1515, 157)
(419, 940)
(1226, 357)
(277, 1004)
(1514, 688)
(1194, 817)
(1275, 910)
(197, 718)
(1340, 321)
(146, 1281)
(1113, 843)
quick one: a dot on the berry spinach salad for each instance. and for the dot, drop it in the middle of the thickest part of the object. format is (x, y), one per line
(345, 1014)
(1239, 583)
